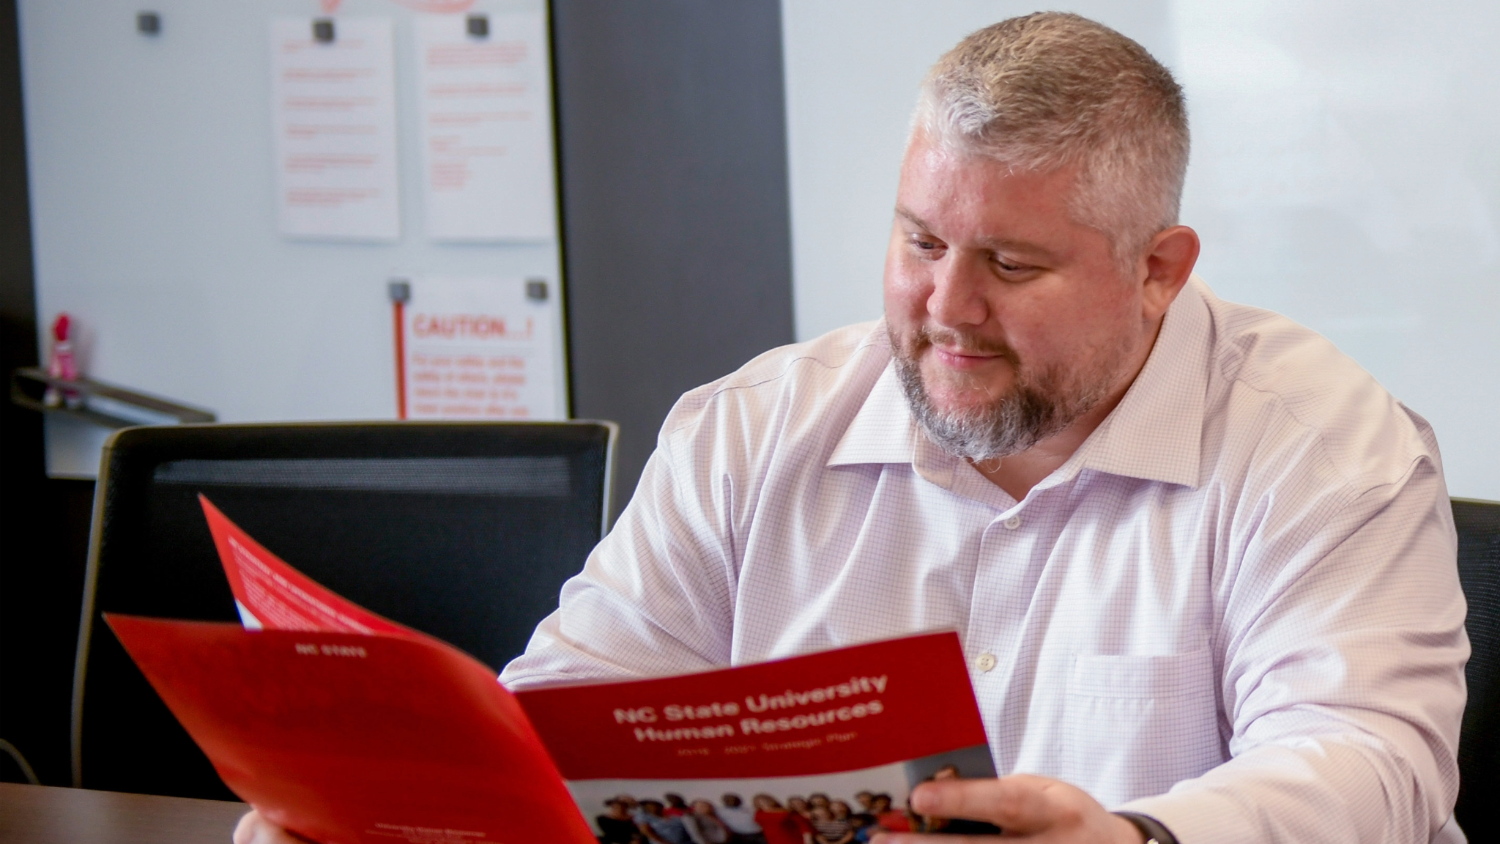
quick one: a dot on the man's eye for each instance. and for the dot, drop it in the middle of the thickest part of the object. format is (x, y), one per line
(1008, 267)
(924, 244)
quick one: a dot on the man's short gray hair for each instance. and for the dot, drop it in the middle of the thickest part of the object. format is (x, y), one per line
(1053, 90)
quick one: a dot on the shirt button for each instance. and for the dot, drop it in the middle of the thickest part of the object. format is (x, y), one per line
(984, 662)
(1012, 523)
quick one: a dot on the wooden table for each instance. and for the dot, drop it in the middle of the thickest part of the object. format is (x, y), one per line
(39, 814)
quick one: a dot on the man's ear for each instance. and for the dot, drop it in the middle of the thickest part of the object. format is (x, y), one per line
(1164, 267)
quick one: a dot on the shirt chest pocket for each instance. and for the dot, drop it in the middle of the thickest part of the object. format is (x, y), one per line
(1135, 725)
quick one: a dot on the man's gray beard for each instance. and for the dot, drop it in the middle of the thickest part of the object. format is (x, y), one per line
(1032, 411)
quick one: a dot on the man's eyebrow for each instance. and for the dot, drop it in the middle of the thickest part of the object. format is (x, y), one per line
(906, 213)
(1020, 247)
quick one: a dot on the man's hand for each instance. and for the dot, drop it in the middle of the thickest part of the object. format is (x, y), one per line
(1027, 807)
(254, 829)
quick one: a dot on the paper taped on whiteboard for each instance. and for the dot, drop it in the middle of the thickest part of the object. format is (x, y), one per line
(334, 111)
(486, 126)
(476, 348)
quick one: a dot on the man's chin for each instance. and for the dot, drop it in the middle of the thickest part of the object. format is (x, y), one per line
(965, 404)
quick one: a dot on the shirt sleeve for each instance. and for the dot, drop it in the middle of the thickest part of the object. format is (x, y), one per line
(655, 597)
(1342, 647)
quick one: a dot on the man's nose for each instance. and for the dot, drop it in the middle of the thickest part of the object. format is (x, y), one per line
(959, 286)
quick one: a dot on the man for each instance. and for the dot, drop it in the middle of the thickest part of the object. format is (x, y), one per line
(740, 820)
(658, 826)
(1202, 565)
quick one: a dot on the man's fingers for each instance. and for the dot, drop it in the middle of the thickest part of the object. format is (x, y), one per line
(243, 831)
(1019, 804)
(255, 829)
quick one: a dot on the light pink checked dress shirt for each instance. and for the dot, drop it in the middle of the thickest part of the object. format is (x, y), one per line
(1235, 608)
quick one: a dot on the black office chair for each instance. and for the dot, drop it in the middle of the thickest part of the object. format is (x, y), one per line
(1478, 811)
(463, 530)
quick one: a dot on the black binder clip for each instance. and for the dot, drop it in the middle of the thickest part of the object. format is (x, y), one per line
(148, 23)
(478, 26)
(322, 29)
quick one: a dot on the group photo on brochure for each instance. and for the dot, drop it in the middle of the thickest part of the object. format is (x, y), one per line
(816, 818)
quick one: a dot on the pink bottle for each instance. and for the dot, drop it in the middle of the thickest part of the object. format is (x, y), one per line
(61, 363)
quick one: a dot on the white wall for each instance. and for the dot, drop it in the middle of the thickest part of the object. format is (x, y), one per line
(1346, 172)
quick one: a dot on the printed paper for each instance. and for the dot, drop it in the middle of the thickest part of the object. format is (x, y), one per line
(478, 348)
(486, 119)
(333, 108)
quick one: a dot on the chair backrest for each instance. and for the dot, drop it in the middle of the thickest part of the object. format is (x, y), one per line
(463, 530)
(1478, 810)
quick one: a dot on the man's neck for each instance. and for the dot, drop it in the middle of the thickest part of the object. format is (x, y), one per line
(1018, 473)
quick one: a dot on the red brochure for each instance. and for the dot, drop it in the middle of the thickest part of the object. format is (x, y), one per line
(357, 738)
(270, 594)
(347, 727)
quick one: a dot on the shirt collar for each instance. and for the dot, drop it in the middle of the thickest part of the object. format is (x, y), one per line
(1154, 433)
(883, 431)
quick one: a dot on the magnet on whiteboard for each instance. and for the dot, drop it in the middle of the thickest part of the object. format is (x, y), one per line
(399, 290)
(536, 289)
(479, 26)
(148, 23)
(322, 29)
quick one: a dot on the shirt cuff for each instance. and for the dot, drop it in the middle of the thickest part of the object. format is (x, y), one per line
(1204, 816)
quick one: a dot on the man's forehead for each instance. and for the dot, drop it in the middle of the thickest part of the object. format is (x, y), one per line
(927, 159)
(1014, 200)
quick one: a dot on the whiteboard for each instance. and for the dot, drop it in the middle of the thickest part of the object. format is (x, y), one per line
(154, 217)
(1345, 172)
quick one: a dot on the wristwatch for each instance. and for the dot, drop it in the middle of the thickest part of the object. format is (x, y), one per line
(1155, 831)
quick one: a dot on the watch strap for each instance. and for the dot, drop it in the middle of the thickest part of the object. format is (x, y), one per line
(1155, 831)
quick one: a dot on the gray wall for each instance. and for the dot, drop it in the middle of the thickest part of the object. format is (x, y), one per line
(675, 213)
